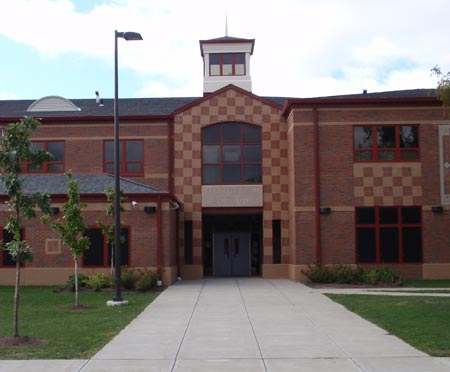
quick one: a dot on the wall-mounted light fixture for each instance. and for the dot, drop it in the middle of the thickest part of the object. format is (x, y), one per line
(325, 210)
(174, 205)
(437, 209)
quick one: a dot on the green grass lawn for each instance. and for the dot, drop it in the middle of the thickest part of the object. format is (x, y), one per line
(69, 334)
(423, 322)
(435, 291)
(426, 283)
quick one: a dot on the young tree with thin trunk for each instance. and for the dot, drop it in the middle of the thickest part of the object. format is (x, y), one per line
(71, 227)
(15, 151)
(443, 88)
(108, 230)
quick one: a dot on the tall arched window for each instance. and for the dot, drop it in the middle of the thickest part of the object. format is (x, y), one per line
(231, 154)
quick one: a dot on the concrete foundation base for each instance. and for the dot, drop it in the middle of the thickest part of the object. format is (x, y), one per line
(189, 272)
(275, 271)
(436, 271)
(116, 303)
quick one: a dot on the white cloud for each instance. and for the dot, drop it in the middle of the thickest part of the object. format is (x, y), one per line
(299, 44)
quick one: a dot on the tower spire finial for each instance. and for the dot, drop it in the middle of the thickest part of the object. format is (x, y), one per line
(226, 24)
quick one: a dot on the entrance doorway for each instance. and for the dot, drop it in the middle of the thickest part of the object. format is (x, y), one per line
(231, 253)
(232, 244)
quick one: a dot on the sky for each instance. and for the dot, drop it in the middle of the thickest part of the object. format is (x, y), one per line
(303, 48)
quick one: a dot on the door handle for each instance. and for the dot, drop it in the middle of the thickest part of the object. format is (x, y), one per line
(236, 247)
(226, 248)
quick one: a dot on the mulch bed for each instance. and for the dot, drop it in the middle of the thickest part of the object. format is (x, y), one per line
(78, 308)
(20, 341)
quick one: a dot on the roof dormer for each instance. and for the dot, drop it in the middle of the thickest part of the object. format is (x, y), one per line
(226, 60)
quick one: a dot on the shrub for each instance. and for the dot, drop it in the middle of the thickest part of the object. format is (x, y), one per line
(147, 280)
(345, 274)
(383, 275)
(71, 282)
(129, 278)
(98, 281)
(320, 274)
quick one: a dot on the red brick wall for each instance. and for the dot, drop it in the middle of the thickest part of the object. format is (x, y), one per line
(338, 238)
(305, 244)
(304, 165)
(436, 237)
(336, 165)
(339, 187)
(142, 234)
(84, 146)
(429, 144)
(169, 237)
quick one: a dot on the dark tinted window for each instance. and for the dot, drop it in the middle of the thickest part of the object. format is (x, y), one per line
(412, 244)
(231, 133)
(95, 255)
(389, 244)
(252, 153)
(231, 154)
(211, 174)
(276, 236)
(134, 150)
(386, 137)
(211, 134)
(409, 136)
(388, 215)
(188, 243)
(363, 137)
(57, 150)
(252, 174)
(231, 174)
(387, 239)
(411, 215)
(366, 245)
(214, 59)
(251, 134)
(365, 216)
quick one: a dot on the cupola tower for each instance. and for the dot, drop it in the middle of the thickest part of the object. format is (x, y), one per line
(226, 60)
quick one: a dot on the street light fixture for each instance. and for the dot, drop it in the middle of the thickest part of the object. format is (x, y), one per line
(117, 245)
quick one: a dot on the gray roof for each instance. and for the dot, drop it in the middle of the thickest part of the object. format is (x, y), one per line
(410, 93)
(164, 106)
(127, 107)
(56, 184)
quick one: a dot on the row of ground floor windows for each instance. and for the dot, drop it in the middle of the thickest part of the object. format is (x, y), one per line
(383, 235)
(99, 253)
(389, 234)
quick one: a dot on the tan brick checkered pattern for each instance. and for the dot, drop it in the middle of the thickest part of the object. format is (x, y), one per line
(237, 106)
(387, 185)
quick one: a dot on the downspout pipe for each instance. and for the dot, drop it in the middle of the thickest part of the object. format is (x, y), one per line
(170, 150)
(317, 186)
(159, 242)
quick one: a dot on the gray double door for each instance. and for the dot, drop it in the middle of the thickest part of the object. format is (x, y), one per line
(231, 254)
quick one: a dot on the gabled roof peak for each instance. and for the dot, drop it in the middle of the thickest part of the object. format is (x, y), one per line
(227, 40)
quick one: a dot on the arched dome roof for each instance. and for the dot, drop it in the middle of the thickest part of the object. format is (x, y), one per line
(52, 103)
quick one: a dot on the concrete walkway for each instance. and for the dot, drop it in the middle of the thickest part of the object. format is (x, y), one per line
(247, 325)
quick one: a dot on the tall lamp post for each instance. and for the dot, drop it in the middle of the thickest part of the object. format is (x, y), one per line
(117, 245)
